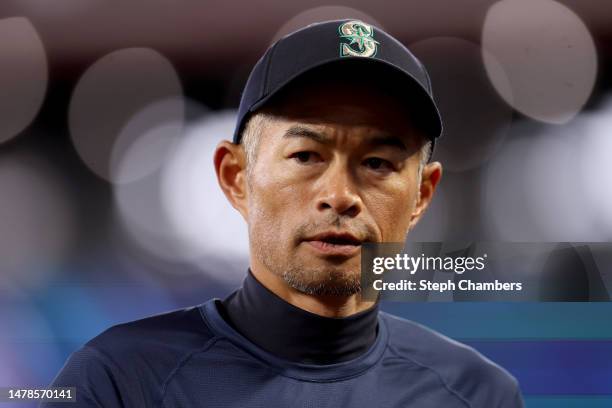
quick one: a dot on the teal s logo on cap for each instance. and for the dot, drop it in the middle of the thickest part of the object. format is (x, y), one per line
(359, 33)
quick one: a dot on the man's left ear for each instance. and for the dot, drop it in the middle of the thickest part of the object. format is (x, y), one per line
(430, 177)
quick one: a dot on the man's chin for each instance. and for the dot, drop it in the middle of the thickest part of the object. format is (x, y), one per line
(332, 280)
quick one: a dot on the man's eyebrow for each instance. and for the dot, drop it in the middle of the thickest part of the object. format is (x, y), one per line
(301, 131)
(375, 141)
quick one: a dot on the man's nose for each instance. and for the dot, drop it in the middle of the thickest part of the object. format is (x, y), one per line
(339, 192)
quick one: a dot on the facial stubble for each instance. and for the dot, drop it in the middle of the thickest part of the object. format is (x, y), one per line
(331, 277)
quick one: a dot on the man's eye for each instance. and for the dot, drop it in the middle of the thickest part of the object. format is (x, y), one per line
(306, 157)
(376, 163)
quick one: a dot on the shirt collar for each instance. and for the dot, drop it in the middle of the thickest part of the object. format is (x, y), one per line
(292, 333)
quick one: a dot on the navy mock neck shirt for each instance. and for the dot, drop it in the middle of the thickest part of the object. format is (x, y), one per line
(293, 333)
(227, 354)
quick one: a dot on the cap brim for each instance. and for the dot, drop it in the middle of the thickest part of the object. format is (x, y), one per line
(424, 112)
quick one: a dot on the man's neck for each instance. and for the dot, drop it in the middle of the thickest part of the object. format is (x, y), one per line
(293, 333)
(322, 305)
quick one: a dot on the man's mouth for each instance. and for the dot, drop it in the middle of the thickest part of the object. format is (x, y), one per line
(335, 243)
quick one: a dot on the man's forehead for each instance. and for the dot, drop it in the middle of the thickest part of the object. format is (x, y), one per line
(283, 131)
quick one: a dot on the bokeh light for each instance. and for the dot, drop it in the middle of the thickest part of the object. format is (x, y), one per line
(147, 139)
(554, 191)
(547, 53)
(507, 213)
(23, 75)
(475, 118)
(37, 222)
(595, 149)
(138, 209)
(548, 183)
(178, 213)
(208, 225)
(125, 95)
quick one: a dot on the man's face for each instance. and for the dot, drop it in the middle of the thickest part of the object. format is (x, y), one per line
(337, 166)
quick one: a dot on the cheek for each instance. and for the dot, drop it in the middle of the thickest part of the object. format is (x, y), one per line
(392, 209)
(272, 205)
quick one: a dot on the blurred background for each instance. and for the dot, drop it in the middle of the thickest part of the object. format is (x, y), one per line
(110, 211)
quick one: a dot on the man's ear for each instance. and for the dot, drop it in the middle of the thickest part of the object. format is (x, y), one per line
(430, 177)
(230, 166)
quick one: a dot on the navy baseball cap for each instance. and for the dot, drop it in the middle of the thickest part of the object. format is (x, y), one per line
(330, 43)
